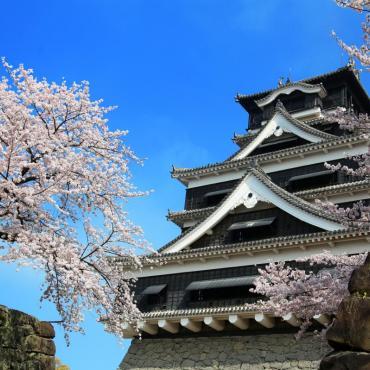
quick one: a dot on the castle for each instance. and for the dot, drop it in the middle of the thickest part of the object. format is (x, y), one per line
(255, 207)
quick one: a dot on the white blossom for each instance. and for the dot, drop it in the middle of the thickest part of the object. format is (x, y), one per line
(64, 182)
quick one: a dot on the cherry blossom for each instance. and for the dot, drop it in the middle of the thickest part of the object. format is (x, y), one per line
(315, 287)
(361, 53)
(64, 182)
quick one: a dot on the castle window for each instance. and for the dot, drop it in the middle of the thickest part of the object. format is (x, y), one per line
(214, 197)
(312, 180)
(280, 144)
(221, 291)
(248, 230)
(154, 296)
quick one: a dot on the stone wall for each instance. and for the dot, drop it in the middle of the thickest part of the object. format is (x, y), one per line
(274, 351)
(25, 342)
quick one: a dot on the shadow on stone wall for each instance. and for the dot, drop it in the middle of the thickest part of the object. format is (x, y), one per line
(25, 342)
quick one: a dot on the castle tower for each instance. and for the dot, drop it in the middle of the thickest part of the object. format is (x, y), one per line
(255, 207)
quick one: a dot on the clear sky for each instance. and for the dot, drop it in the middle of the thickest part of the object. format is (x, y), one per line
(173, 67)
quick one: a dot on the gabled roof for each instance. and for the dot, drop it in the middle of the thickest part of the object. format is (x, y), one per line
(288, 89)
(243, 139)
(255, 186)
(328, 238)
(349, 140)
(280, 122)
(344, 73)
(179, 217)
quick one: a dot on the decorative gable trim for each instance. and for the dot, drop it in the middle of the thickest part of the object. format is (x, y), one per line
(282, 122)
(288, 89)
(254, 187)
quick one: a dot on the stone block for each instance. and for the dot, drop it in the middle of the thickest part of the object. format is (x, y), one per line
(45, 329)
(360, 279)
(345, 332)
(39, 361)
(34, 343)
(346, 360)
(20, 318)
(4, 316)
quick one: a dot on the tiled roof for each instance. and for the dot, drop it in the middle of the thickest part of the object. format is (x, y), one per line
(179, 216)
(189, 312)
(298, 124)
(240, 97)
(290, 198)
(308, 87)
(256, 246)
(243, 139)
(266, 157)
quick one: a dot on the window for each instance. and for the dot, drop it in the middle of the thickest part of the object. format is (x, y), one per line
(215, 197)
(154, 296)
(312, 180)
(284, 143)
(221, 291)
(252, 229)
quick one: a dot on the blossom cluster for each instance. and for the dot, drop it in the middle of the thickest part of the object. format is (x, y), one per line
(64, 182)
(315, 288)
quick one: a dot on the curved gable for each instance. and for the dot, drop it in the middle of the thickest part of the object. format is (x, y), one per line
(281, 122)
(253, 188)
(288, 89)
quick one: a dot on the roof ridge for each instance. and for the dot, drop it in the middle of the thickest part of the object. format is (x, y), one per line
(272, 241)
(278, 153)
(304, 126)
(173, 215)
(280, 109)
(263, 177)
(199, 222)
(305, 80)
(247, 135)
(291, 198)
(256, 245)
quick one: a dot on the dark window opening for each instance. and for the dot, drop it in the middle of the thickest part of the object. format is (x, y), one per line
(236, 295)
(293, 104)
(279, 145)
(153, 297)
(251, 230)
(230, 291)
(335, 97)
(215, 197)
(312, 180)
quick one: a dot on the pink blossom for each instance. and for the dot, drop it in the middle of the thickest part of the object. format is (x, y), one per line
(62, 172)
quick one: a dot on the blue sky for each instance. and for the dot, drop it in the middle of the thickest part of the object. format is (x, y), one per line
(173, 67)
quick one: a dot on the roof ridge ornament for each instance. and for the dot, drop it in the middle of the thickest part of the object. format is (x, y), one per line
(279, 104)
(290, 87)
(351, 64)
(282, 121)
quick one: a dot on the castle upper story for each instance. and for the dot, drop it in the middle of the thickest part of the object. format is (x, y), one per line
(306, 98)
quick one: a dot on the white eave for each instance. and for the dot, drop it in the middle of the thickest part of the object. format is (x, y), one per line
(288, 89)
(282, 122)
(284, 159)
(217, 318)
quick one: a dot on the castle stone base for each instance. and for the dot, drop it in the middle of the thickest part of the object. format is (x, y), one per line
(274, 351)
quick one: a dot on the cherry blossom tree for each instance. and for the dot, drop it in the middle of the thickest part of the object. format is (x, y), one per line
(316, 289)
(359, 52)
(290, 289)
(64, 182)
